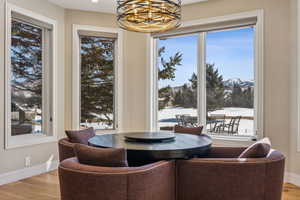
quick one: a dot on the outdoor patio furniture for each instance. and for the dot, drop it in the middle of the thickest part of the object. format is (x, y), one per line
(187, 120)
(232, 127)
(180, 120)
(214, 121)
(191, 121)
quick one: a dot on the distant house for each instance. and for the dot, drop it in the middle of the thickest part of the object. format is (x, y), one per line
(18, 117)
(17, 113)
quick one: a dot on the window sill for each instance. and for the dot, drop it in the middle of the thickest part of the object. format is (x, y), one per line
(102, 132)
(28, 140)
(232, 141)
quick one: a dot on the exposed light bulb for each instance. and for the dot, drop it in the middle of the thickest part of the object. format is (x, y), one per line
(95, 1)
(150, 15)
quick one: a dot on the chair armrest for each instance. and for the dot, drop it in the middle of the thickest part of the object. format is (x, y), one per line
(72, 164)
(66, 149)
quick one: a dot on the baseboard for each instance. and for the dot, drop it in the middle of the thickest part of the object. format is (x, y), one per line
(27, 172)
(292, 178)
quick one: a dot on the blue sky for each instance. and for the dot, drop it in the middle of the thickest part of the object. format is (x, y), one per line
(231, 51)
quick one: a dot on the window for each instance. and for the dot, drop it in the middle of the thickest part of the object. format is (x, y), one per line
(26, 79)
(97, 82)
(97, 62)
(29, 71)
(230, 82)
(210, 75)
(177, 80)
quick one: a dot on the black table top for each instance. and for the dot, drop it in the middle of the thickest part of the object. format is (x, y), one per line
(150, 137)
(183, 146)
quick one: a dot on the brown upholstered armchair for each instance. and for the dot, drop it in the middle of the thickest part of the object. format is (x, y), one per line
(82, 182)
(222, 176)
(66, 145)
(65, 149)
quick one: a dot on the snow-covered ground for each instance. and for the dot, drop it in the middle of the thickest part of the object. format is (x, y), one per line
(166, 117)
(98, 126)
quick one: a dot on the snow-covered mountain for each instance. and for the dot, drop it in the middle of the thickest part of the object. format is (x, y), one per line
(231, 82)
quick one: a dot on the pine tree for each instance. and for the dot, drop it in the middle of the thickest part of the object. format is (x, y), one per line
(194, 80)
(240, 98)
(236, 96)
(248, 99)
(26, 62)
(166, 95)
(166, 71)
(214, 88)
(97, 80)
(177, 101)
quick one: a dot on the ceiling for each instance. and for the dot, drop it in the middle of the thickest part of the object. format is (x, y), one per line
(107, 6)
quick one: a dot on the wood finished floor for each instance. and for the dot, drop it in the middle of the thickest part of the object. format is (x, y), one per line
(45, 187)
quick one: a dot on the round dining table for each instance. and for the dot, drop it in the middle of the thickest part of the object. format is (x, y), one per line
(143, 147)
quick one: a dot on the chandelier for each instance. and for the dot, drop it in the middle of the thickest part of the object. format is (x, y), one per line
(149, 16)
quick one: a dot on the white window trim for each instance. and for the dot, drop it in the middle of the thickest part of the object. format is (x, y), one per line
(76, 75)
(28, 140)
(298, 77)
(259, 71)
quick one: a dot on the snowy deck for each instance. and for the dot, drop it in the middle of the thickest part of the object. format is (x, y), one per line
(166, 118)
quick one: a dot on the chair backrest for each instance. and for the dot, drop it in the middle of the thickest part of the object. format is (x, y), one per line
(236, 123)
(188, 130)
(185, 119)
(238, 120)
(82, 182)
(179, 120)
(232, 120)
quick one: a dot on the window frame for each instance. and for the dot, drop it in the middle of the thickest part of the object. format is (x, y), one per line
(152, 82)
(117, 75)
(50, 41)
(298, 78)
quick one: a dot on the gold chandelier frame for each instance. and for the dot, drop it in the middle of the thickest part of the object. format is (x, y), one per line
(149, 16)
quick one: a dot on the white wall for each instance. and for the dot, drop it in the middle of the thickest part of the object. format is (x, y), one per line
(134, 68)
(13, 159)
(294, 154)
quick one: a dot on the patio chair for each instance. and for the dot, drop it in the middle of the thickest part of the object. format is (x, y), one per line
(232, 127)
(190, 121)
(179, 120)
(214, 121)
(183, 120)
